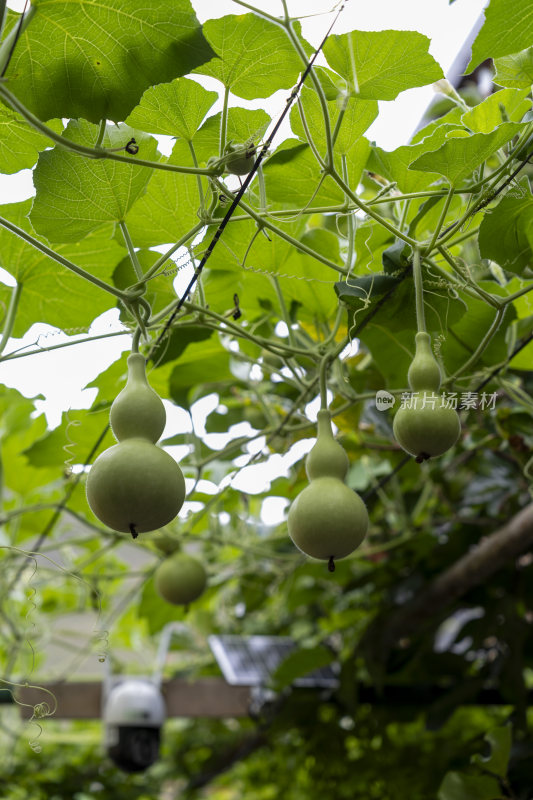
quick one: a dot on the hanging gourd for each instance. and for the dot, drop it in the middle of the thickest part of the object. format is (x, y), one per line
(180, 579)
(425, 426)
(328, 520)
(136, 486)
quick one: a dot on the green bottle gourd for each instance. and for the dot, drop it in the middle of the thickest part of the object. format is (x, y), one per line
(136, 486)
(425, 428)
(328, 520)
(180, 579)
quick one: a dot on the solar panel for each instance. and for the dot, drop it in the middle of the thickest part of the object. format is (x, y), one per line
(251, 661)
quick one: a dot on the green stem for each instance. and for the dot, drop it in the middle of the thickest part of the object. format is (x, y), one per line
(91, 152)
(136, 339)
(323, 373)
(224, 122)
(101, 134)
(12, 356)
(318, 87)
(351, 227)
(258, 11)
(283, 308)
(481, 347)
(419, 291)
(516, 295)
(308, 136)
(3, 16)
(198, 178)
(63, 261)
(340, 119)
(262, 189)
(440, 223)
(131, 250)
(10, 316)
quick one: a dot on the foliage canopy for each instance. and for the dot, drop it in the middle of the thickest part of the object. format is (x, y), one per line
(308, 294)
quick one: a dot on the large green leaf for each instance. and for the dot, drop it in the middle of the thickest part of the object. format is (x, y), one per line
(500, 740)
(95, 58)
(508, 28)
(255, 56)
(168, 208)
(175, 109)
(378, 65)
(506, 232)
(515, 70)
(76, 195)
(20, 144)
(51, 293)
(457, 786)
(506, 105)
(292, 175)
(395, 164)
(460, 155)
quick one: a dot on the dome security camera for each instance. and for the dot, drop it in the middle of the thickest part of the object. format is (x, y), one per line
(133, 715)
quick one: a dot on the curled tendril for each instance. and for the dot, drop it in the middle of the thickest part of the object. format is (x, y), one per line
(70, 444)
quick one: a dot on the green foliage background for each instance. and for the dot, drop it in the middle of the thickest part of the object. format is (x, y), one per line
(322, 241)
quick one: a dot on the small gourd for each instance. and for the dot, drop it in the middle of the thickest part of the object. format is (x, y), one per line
(180, 579)
(425, 428)
(328, 520)
(135, 486)
(239, 158)
(137, 410)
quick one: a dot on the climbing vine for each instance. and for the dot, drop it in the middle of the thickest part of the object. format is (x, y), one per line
(261, 279)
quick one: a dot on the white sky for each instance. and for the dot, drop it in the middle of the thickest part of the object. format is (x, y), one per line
(61, 375)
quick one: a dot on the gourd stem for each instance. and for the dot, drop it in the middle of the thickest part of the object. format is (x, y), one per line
(323, 382)
(101, 134)
(224, 122)
(135, 340)
(131, 250)
(351, 227)
(198, 178)
(419, 291)
(440, 223)
(284, 311)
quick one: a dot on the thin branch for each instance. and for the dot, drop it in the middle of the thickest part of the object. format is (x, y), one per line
(491, 554)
